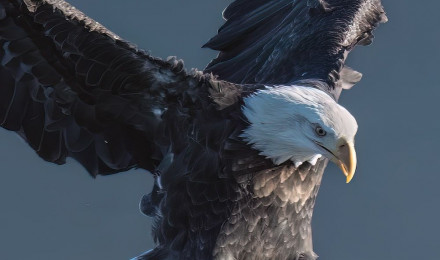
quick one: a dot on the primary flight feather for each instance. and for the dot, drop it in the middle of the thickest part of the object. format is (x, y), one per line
(237, 151)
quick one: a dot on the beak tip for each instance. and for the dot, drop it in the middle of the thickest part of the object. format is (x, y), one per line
(350, 176)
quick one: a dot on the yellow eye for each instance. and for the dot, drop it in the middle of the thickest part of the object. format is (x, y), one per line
(320, 131)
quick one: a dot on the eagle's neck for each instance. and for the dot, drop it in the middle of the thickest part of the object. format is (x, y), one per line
(272, 220)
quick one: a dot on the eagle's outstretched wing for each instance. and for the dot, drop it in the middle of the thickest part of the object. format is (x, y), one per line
(283, 41)
(70, 87)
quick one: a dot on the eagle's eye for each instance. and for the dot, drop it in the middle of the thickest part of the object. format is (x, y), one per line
(320, 131)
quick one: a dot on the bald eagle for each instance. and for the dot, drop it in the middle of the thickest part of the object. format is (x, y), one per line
(237, 151)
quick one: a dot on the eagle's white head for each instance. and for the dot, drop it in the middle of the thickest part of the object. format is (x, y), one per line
(300, 124)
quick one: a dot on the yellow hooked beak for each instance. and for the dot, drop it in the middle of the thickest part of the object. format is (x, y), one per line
(345, 158)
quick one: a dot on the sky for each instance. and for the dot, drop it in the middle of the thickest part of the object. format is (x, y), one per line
(388, 211)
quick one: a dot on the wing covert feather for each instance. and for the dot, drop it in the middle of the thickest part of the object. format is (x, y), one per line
(71, 88)
(283, 41)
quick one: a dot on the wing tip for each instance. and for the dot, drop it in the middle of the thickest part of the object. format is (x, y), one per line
(349, 77)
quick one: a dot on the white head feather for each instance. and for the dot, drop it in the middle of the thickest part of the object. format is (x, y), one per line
(283, 122)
